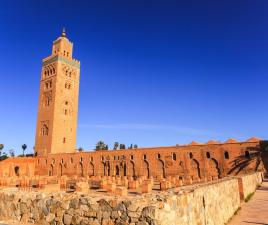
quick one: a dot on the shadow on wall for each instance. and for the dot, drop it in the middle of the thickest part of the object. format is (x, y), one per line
(254, 158)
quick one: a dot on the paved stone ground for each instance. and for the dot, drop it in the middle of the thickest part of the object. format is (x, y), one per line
(255, 211)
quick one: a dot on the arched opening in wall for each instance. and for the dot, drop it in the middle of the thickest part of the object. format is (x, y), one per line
(180, 169)
(131, 169)
(125, 169)
(80, 169)
(145, 169)
(195, 169)
(51, 171)
(91, 169)
(214, 169)
(60, 169)
(17, 170)
(247, 155)
(208, 155)
(106, 169)
(226, 155)
(117, 170)
(161, 168)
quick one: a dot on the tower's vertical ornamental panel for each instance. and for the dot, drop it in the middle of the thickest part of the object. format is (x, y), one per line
(58, 100)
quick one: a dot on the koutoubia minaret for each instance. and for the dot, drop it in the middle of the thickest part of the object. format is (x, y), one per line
(58, 100)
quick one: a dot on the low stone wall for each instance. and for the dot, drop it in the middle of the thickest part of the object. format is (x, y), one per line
(249, 183)
(212, 204)
(208, 204)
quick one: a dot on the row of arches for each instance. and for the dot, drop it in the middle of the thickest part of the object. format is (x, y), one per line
(49, 71)
(193, 169)
(69, 72)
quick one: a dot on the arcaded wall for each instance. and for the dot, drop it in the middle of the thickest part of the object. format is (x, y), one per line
(195, 161)
(210, 204)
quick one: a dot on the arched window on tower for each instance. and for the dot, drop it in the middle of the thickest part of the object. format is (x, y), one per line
(44, 130)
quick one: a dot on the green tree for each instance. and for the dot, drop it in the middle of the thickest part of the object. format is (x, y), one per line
(1, 148)
(122, 146)
(131, 146)
(135, 146)
(24, 146)
(80, 149)
(101, 146)
(3, 156)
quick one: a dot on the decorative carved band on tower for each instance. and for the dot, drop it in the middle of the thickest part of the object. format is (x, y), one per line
(58, 100)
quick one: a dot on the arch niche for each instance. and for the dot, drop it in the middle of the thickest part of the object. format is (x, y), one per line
(214, 169)
(180, 170)
(131, 169)
(195, 169)
(161, 168)
(80, 169)
(145, 169)
(60, 169)
(51, 170)
(91, 169)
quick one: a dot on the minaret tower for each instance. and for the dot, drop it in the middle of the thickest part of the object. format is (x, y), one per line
(58, 100)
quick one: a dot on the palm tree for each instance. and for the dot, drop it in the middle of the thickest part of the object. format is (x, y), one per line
(1, 148)
(24, 146)
(80, 149)
(253, 155)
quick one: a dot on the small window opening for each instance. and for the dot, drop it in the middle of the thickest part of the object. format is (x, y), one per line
(191, 155)
(226, 155)
(174, 156)
(208, 155)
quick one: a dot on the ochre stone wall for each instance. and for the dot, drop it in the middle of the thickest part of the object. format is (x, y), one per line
(249, 184)
(193, 162)
(208, 204)
(196, 162)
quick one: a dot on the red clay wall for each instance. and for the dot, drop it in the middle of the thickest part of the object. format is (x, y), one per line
(194, 161)
(190, 161)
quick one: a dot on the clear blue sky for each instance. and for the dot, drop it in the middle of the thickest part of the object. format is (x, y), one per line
(153, 73)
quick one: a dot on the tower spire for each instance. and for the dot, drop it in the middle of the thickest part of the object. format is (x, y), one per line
(63, 33)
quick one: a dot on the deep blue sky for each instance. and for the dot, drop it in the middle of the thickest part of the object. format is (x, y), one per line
(152, 72)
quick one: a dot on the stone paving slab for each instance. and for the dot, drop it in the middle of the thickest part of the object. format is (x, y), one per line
(255, 211)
